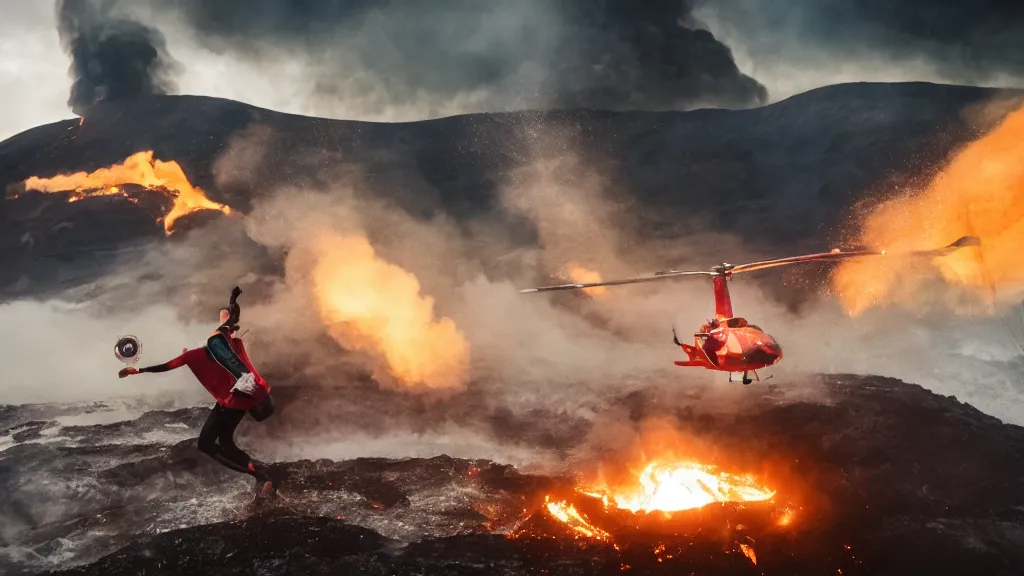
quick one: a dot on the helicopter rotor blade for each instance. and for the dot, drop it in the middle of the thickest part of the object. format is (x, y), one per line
(962, 242)
(656, 276)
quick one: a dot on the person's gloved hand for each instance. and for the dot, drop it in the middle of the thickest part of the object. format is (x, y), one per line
(234, 310)
(245, 385)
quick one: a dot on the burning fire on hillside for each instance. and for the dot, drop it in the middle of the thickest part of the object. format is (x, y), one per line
(140, 169)
(980, 192)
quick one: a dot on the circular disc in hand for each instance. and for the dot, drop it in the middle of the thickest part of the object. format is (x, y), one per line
(128, 349)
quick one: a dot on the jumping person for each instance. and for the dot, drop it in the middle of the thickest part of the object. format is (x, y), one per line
(222, 366)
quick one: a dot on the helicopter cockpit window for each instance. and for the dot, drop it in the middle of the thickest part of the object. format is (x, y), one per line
(736, 323)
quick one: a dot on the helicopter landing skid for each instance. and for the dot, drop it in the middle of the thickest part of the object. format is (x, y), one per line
(746, 380)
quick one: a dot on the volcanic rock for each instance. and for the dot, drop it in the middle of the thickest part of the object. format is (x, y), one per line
(878, 476)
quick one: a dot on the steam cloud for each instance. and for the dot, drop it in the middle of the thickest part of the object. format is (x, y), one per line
(73, 362)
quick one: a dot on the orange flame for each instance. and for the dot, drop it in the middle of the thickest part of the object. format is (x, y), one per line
(567, 514)
(375, 306)
(980, 193)
(669, 473)
(670, 487)
(748, 551)
(140, 169)
(786, 518)
(580, 275)
(666, 487)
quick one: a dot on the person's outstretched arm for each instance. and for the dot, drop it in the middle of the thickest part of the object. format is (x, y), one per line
(169, 365)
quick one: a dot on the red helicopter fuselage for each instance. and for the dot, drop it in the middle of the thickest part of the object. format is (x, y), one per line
(729, 343)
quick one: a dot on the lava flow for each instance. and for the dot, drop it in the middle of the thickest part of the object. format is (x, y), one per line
(568, 515)
(138, 169)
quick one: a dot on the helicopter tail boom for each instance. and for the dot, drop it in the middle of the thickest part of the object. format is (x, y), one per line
(696, 357)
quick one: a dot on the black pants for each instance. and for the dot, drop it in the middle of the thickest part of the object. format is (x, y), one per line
(217, 439)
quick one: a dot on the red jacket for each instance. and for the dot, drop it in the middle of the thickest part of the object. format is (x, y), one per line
(218, 381)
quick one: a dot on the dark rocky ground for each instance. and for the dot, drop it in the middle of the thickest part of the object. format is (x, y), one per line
(881, 477)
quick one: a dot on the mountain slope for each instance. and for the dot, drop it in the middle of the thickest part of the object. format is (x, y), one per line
(779, 177)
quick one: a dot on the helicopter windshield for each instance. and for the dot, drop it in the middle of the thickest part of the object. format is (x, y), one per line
(736, 322)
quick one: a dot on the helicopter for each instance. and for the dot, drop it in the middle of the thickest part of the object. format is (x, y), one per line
(728, 343)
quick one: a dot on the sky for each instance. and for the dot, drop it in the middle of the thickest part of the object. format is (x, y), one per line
(387, 60)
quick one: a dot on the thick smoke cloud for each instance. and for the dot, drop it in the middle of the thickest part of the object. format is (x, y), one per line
(964, 37)
(552, 378)
(112, 57)
(614, 54)
(794, 45)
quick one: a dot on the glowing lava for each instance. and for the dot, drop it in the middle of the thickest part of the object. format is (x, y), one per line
(675, 486)
(568, 515)
(979, 193)
(748, 551)
(665, 487)
(372, 305)
(139, 169)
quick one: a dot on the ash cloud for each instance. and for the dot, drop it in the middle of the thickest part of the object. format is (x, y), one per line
(113, 57)
(383, 59)
(544, 369)
(796, 45)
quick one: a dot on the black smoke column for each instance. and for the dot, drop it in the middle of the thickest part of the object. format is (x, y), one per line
(112, 57)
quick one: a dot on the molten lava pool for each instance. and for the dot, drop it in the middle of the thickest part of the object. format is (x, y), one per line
(661, 505)
(675, 486)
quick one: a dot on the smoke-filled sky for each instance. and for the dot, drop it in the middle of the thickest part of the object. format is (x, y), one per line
(418, 305)
(392, 61)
